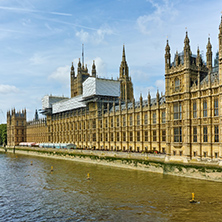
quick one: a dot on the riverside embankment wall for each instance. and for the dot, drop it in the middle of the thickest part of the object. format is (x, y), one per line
(157, 163)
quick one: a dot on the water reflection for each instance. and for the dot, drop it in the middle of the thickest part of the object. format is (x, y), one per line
(34, 193)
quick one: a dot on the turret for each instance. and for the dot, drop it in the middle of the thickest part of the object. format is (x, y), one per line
(72, 72)
(126, 86)
(149, 99)
(198, 60)
(93, 69)
(177, 59)
(209, 55)
(187, 52)
(167, 57)
(124, 67)
(141, 100)
(157, 97)
(36, 115)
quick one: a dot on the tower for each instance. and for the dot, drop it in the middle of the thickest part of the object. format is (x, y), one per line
(16, 127)
(126, 86)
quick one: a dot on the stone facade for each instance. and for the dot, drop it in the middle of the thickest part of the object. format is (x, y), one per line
(16, 127)
(185, 122)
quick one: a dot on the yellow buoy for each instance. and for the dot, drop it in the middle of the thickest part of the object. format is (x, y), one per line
(51, 168)
(88, 178)
(192, 200)
(31, 163)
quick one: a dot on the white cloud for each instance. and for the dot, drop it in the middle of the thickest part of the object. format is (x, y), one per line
(139, 76)
(37, 59)
(101, 68)
(144, 91)
(160, 84)
(163, 12)
(6, 89)
(61, 75)
(84, 36)
(95, 37)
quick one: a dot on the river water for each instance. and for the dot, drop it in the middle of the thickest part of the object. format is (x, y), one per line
(34, 193)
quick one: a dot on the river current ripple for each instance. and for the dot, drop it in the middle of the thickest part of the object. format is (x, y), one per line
(34, 193)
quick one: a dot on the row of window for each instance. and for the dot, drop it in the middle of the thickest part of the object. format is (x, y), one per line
(178, 134)
(177, 109)
(93, 123)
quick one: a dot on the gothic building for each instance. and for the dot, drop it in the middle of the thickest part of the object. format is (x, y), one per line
(103, 114)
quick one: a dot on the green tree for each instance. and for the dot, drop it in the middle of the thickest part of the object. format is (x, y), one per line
(3, 134)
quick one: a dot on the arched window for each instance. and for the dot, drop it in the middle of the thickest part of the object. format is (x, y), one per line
(177, 84)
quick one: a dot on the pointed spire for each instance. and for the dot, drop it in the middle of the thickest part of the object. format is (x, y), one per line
(198, 59)
(209, 55)
(83, 55)
(93, 69)
(157, 96)
(167, 48)
(186, 40)
(72, 72)
(141, 99)
(79, 64)
(124, 54)
(177, 58)
(149, 98)
(220, 27)
(167, 57)
(209, 46)
(36, 115)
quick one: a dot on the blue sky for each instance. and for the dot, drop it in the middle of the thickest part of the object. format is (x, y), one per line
(40, 39)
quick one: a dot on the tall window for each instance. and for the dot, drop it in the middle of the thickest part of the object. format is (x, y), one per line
(177, 84)
(138, 135)
(205, 137)
(154, 118)
(94, 136)
(124, 121)
(194, 134)
(163, 135)
(124, 136)
(215, 107)
(178, 134)
(117, 136)
(111, 122)
(146, 135)
(194, 110)
(117, 121)
(138, 119)
(204, 108)
(145, 119)
(163, 117)
(216, 134)
(177, 111)
(131, 120)
(131, 136)
(154, 135)
(111, 136)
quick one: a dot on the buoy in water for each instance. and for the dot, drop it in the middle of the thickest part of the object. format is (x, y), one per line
(31, 163)
(51, 168)
(88, 178)
(192, 200)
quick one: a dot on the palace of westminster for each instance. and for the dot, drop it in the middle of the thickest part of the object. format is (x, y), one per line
(103, 114)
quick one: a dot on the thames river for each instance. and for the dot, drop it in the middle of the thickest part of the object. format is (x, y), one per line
(31, 192)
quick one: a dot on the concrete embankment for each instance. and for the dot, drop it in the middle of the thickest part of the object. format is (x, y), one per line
(157, 163)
